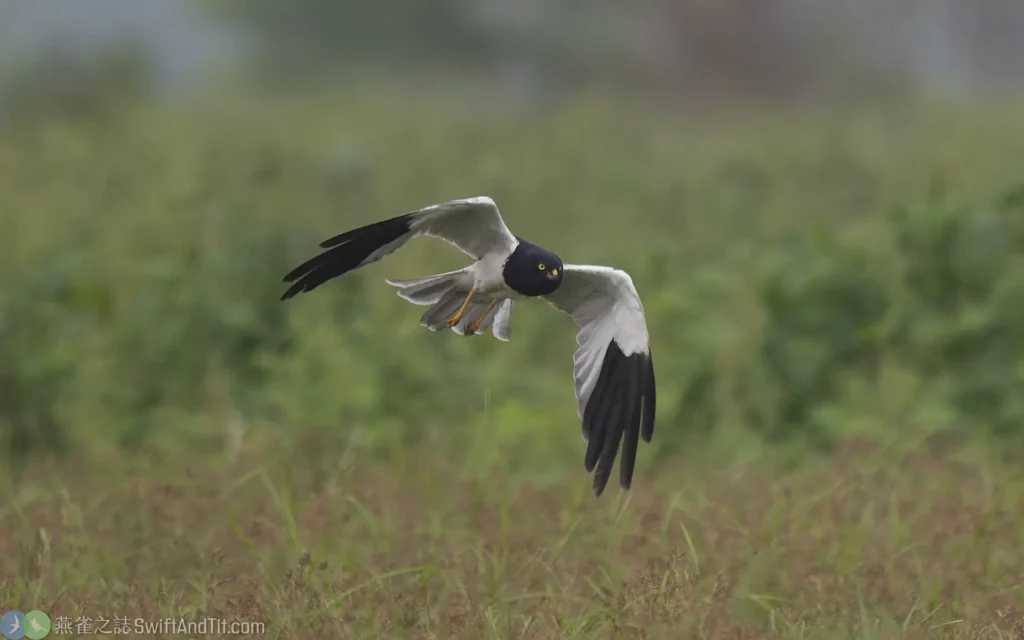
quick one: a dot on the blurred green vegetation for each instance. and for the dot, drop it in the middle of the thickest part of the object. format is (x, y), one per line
(805, 275)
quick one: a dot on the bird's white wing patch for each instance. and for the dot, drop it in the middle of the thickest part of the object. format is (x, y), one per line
(474, 225)
(604, 304)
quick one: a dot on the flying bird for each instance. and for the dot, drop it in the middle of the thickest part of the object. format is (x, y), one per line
(612, 367)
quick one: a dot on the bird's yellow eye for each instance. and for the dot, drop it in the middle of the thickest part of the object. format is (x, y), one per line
(541, 267)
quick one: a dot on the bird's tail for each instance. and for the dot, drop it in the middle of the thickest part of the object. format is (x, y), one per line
(429, 290)
(444, 296)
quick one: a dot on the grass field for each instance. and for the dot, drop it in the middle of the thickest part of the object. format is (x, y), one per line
(868, 543)
(833, 310)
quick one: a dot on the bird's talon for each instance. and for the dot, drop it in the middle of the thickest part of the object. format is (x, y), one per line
(454, 320)
(475, 326)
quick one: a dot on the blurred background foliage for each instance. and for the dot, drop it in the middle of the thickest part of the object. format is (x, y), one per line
(808, 271)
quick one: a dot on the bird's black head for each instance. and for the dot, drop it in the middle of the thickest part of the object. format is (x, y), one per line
(532, 271)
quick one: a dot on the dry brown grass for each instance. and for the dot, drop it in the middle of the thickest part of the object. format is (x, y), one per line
(868, 544)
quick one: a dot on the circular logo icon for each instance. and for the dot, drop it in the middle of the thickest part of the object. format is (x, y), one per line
(11, 625)
(37, 625)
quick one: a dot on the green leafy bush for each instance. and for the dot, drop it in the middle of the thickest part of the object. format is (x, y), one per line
(934, 289)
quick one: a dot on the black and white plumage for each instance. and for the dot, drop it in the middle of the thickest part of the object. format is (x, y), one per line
(612, 367)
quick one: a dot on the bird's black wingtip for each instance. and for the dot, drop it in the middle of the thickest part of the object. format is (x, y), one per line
(391, 228)
(345, 252)
(291, 292)
(621, 414)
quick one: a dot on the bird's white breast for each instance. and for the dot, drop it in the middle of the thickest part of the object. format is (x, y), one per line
(488, 275)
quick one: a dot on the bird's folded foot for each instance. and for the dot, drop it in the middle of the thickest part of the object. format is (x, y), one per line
(475, 325)
(454, 320)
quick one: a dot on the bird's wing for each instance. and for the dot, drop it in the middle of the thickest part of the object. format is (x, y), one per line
(612, 367)
(474, 225)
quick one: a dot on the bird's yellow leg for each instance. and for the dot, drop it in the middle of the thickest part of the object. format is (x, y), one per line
(476, 323)
(454, 320)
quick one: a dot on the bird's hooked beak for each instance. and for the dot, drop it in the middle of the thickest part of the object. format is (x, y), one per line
(553, 274)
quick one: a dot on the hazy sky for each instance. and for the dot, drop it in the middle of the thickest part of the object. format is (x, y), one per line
(182, 43)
